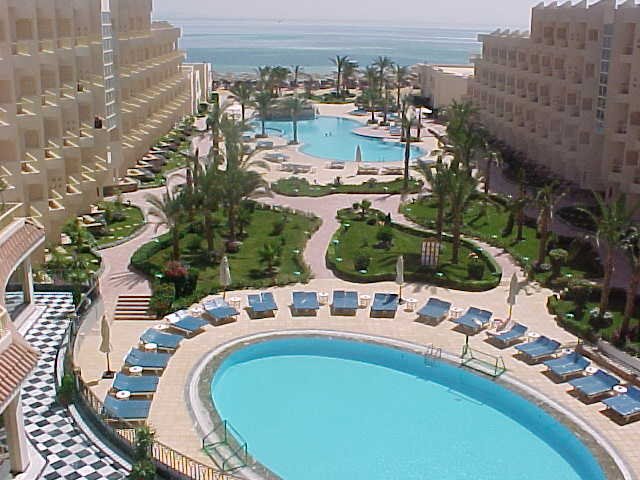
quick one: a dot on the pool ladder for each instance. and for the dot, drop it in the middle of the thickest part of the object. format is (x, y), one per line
(432, 353)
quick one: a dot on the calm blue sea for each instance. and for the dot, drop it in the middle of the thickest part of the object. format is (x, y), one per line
(242, 45)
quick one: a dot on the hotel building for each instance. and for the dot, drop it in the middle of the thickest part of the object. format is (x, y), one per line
(86, 88)
(442, 84)
(567, 94)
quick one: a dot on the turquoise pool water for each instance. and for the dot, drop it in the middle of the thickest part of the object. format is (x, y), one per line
(320, 408)
(332, 138)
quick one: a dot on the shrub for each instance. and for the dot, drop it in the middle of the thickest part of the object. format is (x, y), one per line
(361, 262)
(66, 390)
(162, 299)
(475, 267)
(385, 236)
(558, 258)
(279, 226)
(175, 271)
(193, 244)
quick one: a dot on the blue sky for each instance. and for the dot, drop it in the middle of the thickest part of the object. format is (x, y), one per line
(508, 13)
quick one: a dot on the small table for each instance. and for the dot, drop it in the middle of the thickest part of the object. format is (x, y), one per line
(150, 347)
(123, 395)
(411, 304)
(323, 298)
(591, 369)
(161, 326)
(235, 302)
(456, 312)
(533, 336)
(365, 300)
(135, 370)
(567, 351)
(620, 389)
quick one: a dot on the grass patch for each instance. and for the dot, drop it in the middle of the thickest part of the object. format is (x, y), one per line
(487, 223)
(360, 238)
(247, 271)
(300, 187)
(119, 226)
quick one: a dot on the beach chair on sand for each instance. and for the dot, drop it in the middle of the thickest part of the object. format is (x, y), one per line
(434, 311)
(305, 303)
(626, 406)
(344, 303)
(567, 366)
(594, 387)
(384, 305)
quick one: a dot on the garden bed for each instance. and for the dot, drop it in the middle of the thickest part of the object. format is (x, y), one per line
(359, 236)
(122, 221)
(300, 187)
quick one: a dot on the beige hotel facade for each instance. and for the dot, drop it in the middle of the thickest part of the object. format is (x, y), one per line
(567, 93)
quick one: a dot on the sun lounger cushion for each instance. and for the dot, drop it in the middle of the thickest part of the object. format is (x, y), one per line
(305, 301)
(190, 324)
(138, 384)
(435, 308)
(516, 332)
(599, 382)
(147, 359)
(474, 318)
(161, 339)
(127, 409)
(385, 302)
(263, 302)
(568, 364)
(541, 347)
(345, 300)
(626, 404)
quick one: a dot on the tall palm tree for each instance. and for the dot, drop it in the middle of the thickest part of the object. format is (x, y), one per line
(463, 140)
(209, 193)
(243, 93)
(270, 254)
(631, 245)
(339, 62)
(438, 177)
(400, 74)
(239, 185)
(265, 78)
(167, 211)
(613, 219)
(348, 73)
(295, 105)
(214, 120)
(296, 70)
(279, 76)
(370, 99)
(407, 122)
(371, 74)
(264, 102)
(546, 200)
(383, 64)
(461, 187)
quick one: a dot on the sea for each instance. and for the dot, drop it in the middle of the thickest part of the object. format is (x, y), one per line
(239, 46)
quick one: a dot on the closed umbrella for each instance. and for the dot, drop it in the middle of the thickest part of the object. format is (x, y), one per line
(400, 275)
(105, 344)
(358, 154)
(225, 275)
(514, 288)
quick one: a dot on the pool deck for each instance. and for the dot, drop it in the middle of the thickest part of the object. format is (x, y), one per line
(174, 424)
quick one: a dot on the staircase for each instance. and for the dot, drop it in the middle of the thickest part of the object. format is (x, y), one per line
(133, 307)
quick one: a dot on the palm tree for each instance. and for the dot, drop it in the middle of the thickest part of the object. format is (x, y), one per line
(279, 76)
(370, 99)
(400, 74)
(269, 254)
(494, 159)
(371, 74)
(239, 185)
(339, 62)
(546, 199)
(613, 219)
(461, 187)
(295, 105)
(631, 245)
(296, 70)
(80, 237)
(209, 193)
(263, 102)
(214, 122)
(348, 72)
(167, 211)
(383, 64)
(76, 273)
(243, 93)
(438, 177)
(265, 78)
(407, 122)
(463, 139)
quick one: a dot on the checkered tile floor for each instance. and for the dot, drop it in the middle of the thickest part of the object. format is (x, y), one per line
(69, 453)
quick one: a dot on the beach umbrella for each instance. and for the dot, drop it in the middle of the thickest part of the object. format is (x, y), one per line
(400, 275)
(225, 275)
(105, 344)
(514, 288)
(358, 154)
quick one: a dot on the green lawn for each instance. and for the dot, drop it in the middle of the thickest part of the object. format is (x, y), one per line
(300, 187)
(487, 224)
(360, 238)
(246, 268)
(121, 229)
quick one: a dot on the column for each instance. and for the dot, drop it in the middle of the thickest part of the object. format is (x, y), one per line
(27, 281)
(16, 435)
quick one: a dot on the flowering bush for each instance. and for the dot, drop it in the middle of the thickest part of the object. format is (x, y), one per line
(175, 271)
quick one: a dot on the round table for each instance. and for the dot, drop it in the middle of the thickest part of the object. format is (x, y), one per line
(591, 369)
(533, 336)
(123, 395)
(456, 312)
(567, 351)
(150, 347)
(620, 389)
(365, 300)
(411, 304)
(161, 326)
(323, 298)
(135, 370)
(235, 302)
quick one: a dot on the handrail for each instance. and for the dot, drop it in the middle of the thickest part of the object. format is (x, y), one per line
(482, 362)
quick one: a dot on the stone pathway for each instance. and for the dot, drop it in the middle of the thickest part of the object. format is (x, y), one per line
(68, 453)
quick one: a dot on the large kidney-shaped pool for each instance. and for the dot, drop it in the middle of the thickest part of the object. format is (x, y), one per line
(332, 138)
(314, 408)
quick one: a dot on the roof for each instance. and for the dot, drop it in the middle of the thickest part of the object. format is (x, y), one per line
(27, 236)
(16, 362)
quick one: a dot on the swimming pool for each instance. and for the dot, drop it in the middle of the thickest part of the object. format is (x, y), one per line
(313, 408)
(332, 138)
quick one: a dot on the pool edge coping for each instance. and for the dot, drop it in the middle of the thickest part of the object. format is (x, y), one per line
(202, 416)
